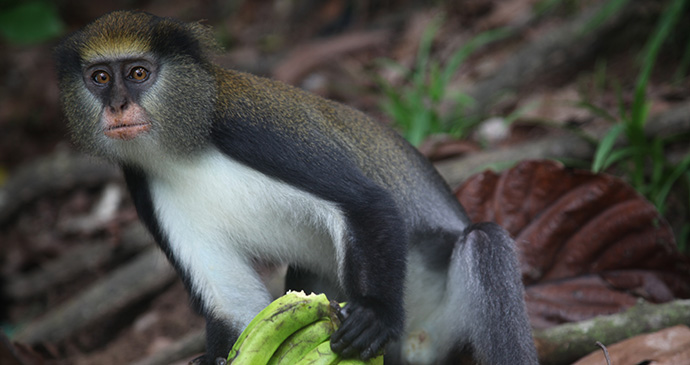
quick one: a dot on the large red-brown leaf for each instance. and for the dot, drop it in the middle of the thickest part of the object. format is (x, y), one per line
(588, 244)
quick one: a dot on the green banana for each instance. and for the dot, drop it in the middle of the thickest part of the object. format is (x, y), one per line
(269, 329)
(320, 355)
(301, 342)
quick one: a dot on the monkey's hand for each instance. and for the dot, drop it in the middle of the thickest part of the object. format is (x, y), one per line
(365, 330)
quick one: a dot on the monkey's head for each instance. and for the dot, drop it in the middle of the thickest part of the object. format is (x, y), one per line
(132, 83)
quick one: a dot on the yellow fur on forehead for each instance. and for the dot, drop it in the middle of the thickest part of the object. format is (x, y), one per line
(124, 34)
(117, 34)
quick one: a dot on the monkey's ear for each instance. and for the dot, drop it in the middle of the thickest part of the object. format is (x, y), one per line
(66, 56)
(170, 37)
(204, 33)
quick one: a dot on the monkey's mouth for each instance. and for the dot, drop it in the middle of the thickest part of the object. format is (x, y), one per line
(126, 131)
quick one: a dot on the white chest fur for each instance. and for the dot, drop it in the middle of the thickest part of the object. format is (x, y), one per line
(219, 214)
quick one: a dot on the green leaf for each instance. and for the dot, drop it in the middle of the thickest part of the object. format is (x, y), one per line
(596, 110)
(663, 192)
(416, 105)
(420, 126)
(605, 147)
(466, 50)
(425, 50)
(618, 155)
(31, 22)
(436, 86)
(658, 163)
(668, 20)
(515, 115)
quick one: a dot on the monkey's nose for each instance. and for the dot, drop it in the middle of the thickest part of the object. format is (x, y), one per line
(119, 105)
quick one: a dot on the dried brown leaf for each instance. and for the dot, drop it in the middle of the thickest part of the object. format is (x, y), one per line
(588, 244)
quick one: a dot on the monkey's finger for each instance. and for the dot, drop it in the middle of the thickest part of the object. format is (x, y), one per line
(369, 342)
(342, 339)
(342, 344)
(374, 347)
(351, 322)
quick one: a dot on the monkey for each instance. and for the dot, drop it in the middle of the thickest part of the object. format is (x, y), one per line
(227, 169)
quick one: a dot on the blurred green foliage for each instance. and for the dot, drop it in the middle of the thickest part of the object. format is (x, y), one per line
(416, 106)
(30, 22)
(642, 158)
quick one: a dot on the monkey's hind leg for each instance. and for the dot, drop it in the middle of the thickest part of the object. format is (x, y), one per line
(481, 311)
(485, 282)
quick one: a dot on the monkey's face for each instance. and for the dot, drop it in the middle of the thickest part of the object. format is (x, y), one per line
(135, 86)
(109, 109)
(119, 85)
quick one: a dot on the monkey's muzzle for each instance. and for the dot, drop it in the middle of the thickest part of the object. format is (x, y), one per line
(126, 124)
(127, 131)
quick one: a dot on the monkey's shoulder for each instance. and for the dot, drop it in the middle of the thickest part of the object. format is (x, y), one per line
(275, 103)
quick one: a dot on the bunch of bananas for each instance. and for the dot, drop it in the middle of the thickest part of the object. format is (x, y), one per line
(294, 329)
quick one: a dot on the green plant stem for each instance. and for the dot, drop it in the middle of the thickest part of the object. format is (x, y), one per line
(640, 105)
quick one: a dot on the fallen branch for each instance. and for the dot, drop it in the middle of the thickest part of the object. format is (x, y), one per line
(148, 273)
(456, 171)
(567, 343)
(83, 258)
(57, 172)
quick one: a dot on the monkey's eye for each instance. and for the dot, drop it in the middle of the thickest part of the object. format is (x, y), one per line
(139, 74)
(101, 77)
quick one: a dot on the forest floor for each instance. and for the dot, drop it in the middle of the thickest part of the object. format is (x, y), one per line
(66, 222)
